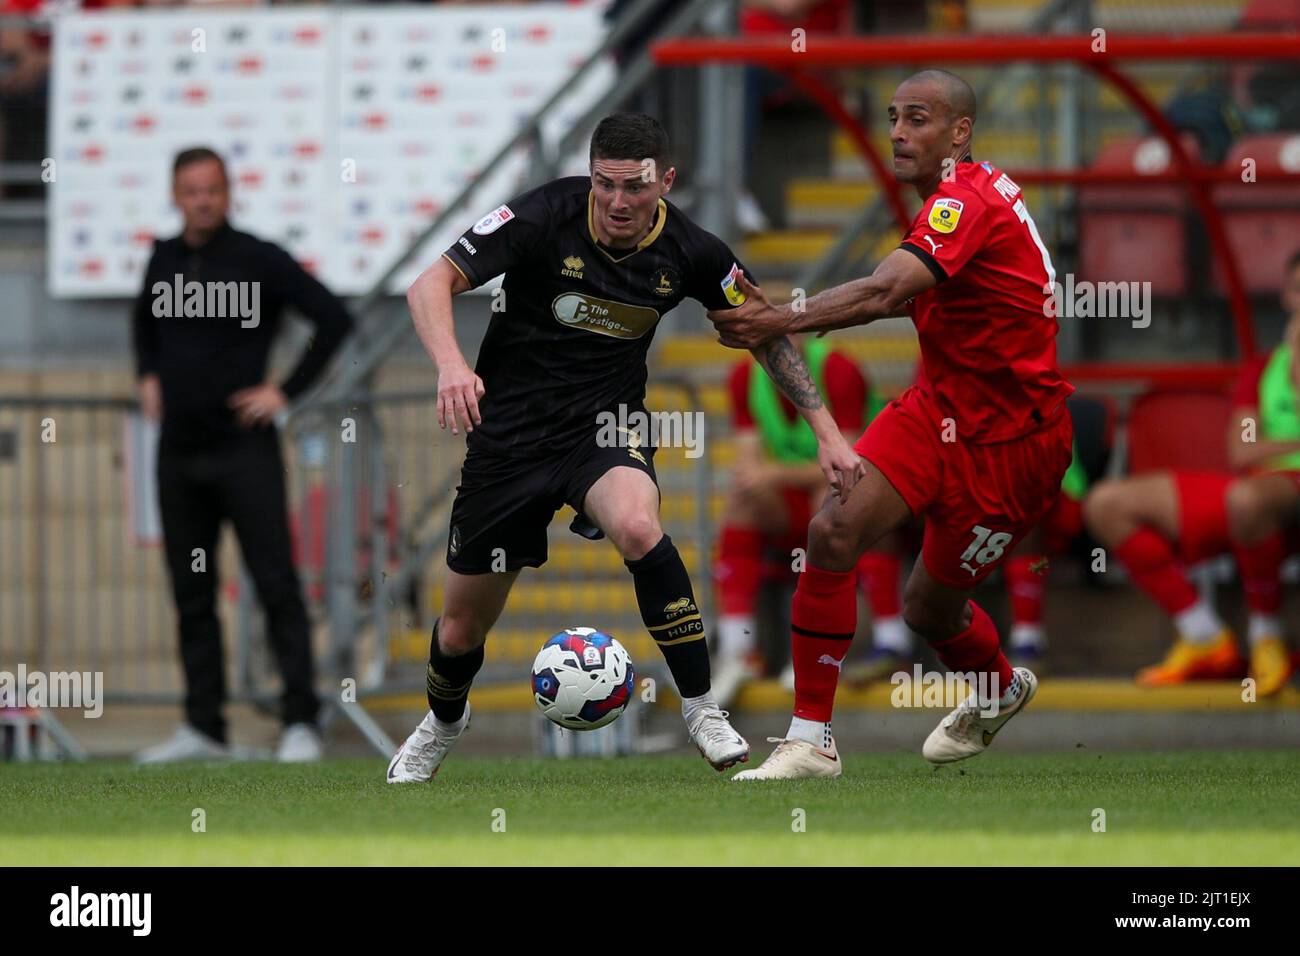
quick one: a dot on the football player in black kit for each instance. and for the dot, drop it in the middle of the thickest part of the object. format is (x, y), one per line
(591, 265)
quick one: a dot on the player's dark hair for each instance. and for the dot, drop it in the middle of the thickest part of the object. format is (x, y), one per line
(196, 154)
(633, 136)
(1293, 262)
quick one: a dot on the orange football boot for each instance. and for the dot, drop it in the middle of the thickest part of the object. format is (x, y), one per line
(1270, 666)
(1217, 660)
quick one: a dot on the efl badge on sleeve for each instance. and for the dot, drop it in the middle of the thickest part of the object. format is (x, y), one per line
(731, 286)
(494, 220)
(944, 214)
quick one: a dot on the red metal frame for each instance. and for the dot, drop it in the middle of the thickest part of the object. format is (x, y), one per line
(823, 52)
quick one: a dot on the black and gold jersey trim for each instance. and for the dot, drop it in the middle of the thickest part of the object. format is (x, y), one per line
(661, 219)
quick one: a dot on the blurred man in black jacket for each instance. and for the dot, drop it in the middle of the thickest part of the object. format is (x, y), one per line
(202, 329)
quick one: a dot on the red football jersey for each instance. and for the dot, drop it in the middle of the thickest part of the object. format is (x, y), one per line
(988, 349)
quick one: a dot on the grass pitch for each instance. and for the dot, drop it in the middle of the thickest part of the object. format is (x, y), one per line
(1222, 808)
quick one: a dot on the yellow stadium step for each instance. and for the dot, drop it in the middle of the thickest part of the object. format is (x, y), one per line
(687, 352)
(591, 558)
(507, 644)
(785, 248)
(1060, 694)
(538, 595)
(792, 248)
(721, 452)
(819, 203)
(713, 398)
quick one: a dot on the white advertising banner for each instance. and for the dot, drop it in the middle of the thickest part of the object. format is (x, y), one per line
(345, 129)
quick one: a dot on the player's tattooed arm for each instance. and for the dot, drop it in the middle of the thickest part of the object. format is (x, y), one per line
(788, 370)
(784, 363)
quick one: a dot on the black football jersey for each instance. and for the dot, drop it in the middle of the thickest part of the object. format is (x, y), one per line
(575, 318)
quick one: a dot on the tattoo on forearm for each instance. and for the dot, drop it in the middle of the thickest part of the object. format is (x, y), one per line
(786, 366)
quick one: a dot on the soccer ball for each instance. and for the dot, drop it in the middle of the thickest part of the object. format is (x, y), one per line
(582, 678)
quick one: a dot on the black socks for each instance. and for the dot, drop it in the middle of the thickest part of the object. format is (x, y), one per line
(663, 592)
(448, 678)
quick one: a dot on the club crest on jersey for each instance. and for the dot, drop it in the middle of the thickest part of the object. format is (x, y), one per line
(944, 214)
(731, 286)
(664, 282)
(494, 220)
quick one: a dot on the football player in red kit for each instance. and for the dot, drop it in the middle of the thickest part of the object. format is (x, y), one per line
(978, 447)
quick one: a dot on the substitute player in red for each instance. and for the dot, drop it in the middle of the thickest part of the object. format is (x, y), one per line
(978, 447)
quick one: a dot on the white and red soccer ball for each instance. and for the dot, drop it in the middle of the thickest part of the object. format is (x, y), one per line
(582, 678)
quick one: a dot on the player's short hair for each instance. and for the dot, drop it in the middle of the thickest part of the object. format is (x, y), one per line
(1293, 262)
(957, 93)
(196, 154)
(630, 136)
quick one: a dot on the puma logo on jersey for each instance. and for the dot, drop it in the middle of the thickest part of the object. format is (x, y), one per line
(827, 659)
(934, 246)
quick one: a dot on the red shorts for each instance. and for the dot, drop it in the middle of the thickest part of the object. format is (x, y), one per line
(798, 512)
(978, 500)
(1200, 540)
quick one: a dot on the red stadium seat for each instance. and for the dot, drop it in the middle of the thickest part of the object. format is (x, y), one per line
(1179, 431)
(1135, 233)
(1270, 15)
(1261, 218)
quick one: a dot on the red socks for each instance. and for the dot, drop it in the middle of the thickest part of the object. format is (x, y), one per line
(1150, 560)
(1260, 566)
(976, 649)
(823, 618)
(1025, 587)
(739, 570)
(878, 573)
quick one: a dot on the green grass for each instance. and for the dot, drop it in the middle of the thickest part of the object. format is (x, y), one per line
(1229, 808)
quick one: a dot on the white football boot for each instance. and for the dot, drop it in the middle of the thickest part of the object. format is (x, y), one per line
(300, 743)
(795, 760)
(719, 744)
(418, 759)
(186, 743)
(965, 733)
(730, 675)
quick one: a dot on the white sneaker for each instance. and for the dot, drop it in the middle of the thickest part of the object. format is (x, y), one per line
(719, 744)
(300, 743)
(964, 733)
(418, 759)
(186, 743)
(795, 760)
(786, 679)
(731, 675)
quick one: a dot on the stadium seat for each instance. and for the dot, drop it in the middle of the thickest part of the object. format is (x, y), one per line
(1261, 218)
(1135, 233)
(1178, 430)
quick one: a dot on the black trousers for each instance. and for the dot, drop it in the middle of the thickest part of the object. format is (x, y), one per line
(240, 479)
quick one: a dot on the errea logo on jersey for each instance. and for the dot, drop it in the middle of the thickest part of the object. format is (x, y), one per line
(944, 214)
(494, 220)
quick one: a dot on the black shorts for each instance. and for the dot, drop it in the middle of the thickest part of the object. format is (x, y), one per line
(504, 504)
